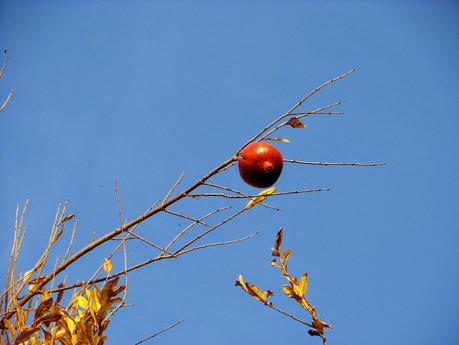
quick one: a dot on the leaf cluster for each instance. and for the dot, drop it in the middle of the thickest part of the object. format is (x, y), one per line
(296, 289)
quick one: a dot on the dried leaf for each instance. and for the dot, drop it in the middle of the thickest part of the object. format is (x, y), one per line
(46, 319)
(277, 243)
(66, 218)
(60, 294)
(25, 335)
(107, 265)
(260, 197)
(294, 122)
(44, 306)
(257, 293)
(282, 140)
(319, 325)
(285, 255)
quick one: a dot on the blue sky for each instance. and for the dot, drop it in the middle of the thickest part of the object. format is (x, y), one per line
(138, 92)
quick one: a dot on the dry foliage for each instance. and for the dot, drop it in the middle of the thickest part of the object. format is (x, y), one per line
(295, 289)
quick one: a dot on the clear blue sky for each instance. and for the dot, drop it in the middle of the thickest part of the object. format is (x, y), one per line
(139, 91)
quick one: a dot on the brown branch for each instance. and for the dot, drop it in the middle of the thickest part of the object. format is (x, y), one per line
(294, 161)
(173, 188)
(270, 305)
(159, 332)
(147, 262)
(228, 196)
(181, 233)
(238, 192)
(217, 244)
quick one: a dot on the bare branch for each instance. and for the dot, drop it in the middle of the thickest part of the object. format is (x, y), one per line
(173, 188)
(181, 233)
(217, 244)
(159, 332)
(294, 161)
(5, 102)
(228, 196)
(296, 106)
(184, 216)
(270, 305)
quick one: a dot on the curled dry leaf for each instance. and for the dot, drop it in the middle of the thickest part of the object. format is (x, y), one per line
(66, 219)
(294, 122)
(285, 255)
(277, 243)
(282, 140)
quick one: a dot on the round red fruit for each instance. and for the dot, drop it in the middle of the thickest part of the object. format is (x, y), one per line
(260, 164)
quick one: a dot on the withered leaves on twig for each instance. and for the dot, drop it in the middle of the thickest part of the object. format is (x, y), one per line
(294, 122)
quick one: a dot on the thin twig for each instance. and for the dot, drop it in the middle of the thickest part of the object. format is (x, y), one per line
(294, 161)
(228, 196)
(270, 305)
(181, 233)
(217, 244)
(184, 216)
(235, 191)
(173, 188)
(285, 123)
(10, 94)
(159, 332)
(296, 106)
(144, 263)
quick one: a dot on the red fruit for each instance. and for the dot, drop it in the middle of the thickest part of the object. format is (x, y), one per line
(260, 164)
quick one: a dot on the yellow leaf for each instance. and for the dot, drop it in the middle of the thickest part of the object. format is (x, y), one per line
(303, 284)
(70, 324)
(74, 339)
(288, 291)
(27, 275)
(33, 341)
(240, 282)
(282, 140)
(285, 255)
(95, 303)
(82, 302)
(260, 197)
(297, 289)
(46, 295)
(257, 293)
(107, 265)
(87, 292)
